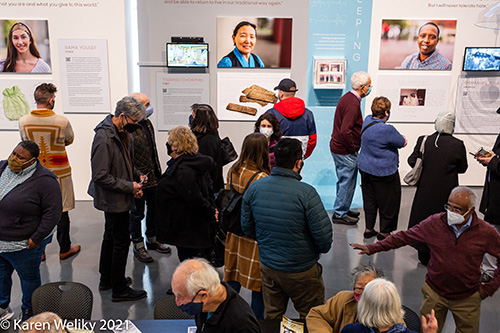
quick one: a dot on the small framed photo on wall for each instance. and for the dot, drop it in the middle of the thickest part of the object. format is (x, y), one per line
(329, 73)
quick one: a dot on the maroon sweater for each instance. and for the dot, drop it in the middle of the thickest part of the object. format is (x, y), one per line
(346, 135)
(454, 268)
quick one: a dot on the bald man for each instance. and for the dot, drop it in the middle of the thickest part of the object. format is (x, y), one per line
(427, 56)
(216, 306)
(458, 240)
(145, 158)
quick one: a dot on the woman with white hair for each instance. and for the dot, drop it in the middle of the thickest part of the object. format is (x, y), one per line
(379, 311)
(444, 158)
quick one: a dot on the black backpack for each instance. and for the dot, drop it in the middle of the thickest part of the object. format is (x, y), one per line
(228, 202)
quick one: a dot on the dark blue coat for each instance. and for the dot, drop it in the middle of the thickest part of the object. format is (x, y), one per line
(288, 220)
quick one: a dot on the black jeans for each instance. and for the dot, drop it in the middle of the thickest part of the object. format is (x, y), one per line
(114, 250)
(382, 195)
(63, 233)
(136, 216)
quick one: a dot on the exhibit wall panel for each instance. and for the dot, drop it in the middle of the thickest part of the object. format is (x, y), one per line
(158, 21)
(452, 44)
(74, 20)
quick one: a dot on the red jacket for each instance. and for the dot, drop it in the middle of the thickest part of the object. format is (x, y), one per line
(454, 268)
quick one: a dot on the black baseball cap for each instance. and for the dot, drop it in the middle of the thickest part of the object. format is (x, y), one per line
(287, 85)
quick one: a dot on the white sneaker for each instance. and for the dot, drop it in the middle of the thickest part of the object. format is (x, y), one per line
(6, 314)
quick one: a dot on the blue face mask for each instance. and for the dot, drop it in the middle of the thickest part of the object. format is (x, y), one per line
(149, 110)
(190, 119)
(192, 308)
(369, 91)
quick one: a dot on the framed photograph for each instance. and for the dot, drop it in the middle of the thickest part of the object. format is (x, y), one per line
(329, 73)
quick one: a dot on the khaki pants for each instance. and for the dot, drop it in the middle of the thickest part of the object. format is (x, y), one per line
(306, 289)
(466, 312)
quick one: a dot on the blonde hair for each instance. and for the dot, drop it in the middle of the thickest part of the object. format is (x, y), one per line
(184, 140)
(45, 322)
(380, 304)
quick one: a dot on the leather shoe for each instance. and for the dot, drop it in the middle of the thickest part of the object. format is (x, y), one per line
(129, 294)
(352, 213)
(369, 234)
(104, 287)
(142, 255)
(382, 237)
(72, 251)
(159, 247)
(344, 220)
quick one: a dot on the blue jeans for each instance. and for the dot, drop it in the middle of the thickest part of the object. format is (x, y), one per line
(137, 215)
(346, 167)
(27, 265)
(257, 300)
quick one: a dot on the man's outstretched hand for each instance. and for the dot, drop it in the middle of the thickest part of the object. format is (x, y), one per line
(363, 248)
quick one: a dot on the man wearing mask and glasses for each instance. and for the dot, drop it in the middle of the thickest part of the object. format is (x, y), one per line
(458, 240)
(216, 306)
(114, 185)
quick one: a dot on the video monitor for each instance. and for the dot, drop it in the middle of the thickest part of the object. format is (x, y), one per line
(481, 59)
(183, 55)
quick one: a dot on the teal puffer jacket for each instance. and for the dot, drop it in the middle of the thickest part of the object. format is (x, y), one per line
(288, 220)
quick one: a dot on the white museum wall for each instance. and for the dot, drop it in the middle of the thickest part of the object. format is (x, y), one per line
(85, 19)
(467, 34)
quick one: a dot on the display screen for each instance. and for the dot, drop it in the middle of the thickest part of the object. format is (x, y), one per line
(187, 55)
(481, 59)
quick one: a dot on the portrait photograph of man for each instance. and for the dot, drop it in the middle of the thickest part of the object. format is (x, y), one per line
(417, 44)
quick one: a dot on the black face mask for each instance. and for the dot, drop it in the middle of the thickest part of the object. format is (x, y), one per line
(131, 127)
(169, 149)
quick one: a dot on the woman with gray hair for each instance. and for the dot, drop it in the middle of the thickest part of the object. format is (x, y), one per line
(341, 309)
(379, 310)
(444, 158)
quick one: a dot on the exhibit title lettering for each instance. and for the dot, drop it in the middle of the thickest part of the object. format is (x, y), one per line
(359, 21)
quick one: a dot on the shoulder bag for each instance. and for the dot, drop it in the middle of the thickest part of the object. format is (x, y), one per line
(413, 176)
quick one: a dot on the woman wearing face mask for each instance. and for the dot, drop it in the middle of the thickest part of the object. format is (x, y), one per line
(269, 125)
(244, 39)
(204, 126)
(378, 163)
(22, 53)
(185, 203)
(444, 158)
(241, 262)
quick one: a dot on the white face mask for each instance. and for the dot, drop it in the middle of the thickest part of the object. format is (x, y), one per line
(454, 218)
(266, 131)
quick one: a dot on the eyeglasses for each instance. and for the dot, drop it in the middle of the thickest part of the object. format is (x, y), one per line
(452, 209)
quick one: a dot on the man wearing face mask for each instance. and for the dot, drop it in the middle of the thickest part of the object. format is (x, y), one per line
(216, 306)
(30, 207)
(295, 119)
(292, 229)
(52, 133)
(458, 240)
(145, 158)
(345, 144)
(115, 183)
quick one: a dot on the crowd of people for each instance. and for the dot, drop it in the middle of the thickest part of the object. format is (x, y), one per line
(285, 226)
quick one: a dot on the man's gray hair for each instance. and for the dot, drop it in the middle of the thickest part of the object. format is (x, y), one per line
(380, 304)
(130, 107)
(359, 79)
(470, 194)
(364, 270)
(205, 278)
(445, 122)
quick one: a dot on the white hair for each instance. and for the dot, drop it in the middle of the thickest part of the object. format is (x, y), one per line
(445, 122)
(198, 277)
(359, 79)
(380, 304)
(468, 192)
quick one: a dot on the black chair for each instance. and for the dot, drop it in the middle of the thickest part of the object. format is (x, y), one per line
(411, 319)
(167, 309)
(69, 300)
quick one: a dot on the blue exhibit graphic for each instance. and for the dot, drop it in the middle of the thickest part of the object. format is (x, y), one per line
(187, 55)
(337, 29)
(482, 59)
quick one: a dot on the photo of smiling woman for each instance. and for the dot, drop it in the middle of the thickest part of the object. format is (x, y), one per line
(272, 50)
(20, 48)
